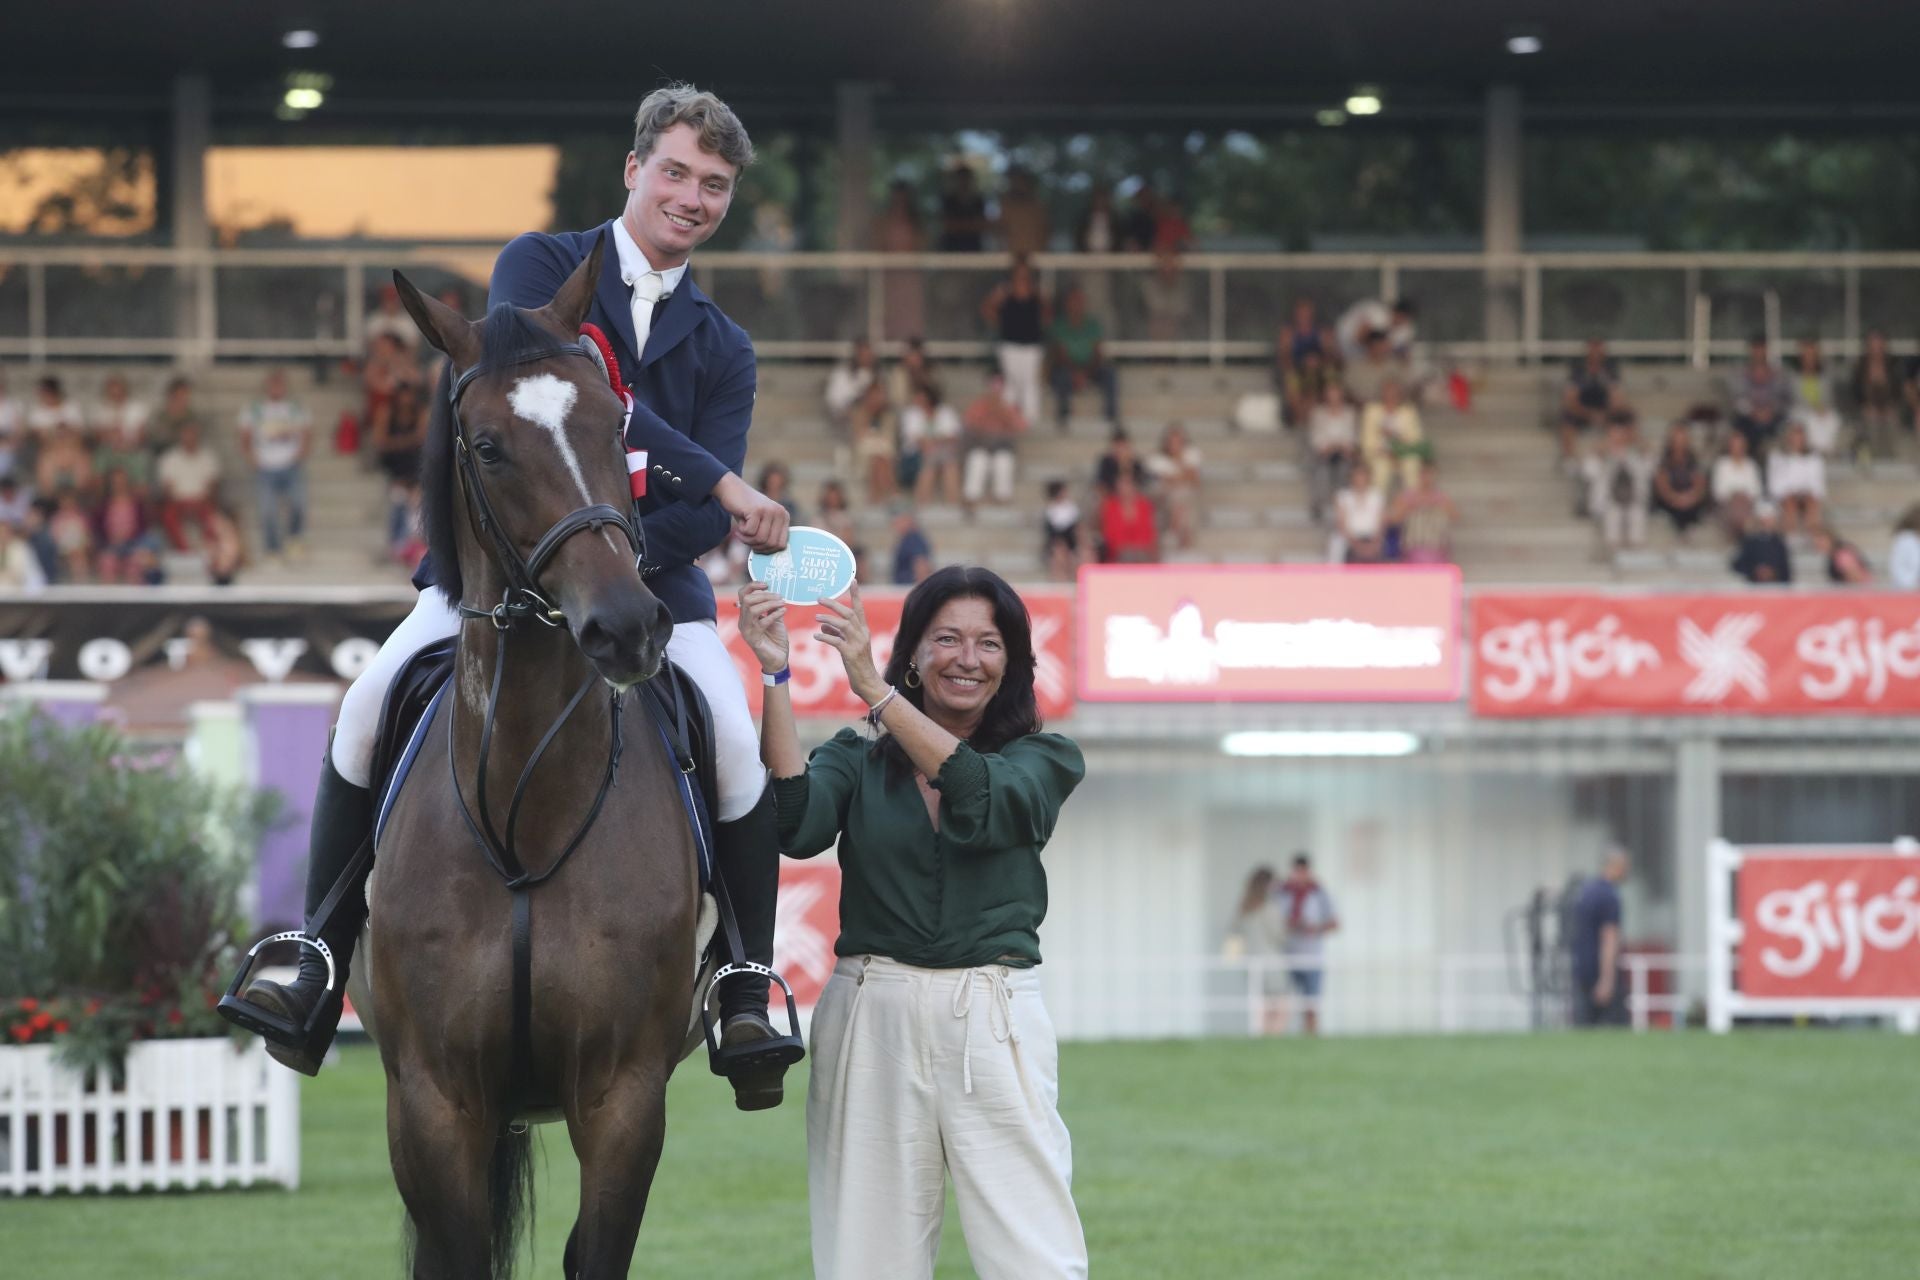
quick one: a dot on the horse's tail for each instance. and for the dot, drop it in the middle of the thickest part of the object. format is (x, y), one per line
(509, 1197)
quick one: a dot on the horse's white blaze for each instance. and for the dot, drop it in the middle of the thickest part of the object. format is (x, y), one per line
(545, 401)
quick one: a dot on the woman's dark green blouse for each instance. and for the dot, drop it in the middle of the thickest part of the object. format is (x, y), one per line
(972, 892)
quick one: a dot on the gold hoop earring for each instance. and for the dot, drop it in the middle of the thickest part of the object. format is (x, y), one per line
(912, 680)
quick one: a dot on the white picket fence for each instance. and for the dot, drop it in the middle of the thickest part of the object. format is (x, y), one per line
(188, 1113)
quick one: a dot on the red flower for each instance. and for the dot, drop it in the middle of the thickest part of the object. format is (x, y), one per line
(60, 1027)
(22, 1032)
(40, 1021)
(28, 1004)
(175, 1017)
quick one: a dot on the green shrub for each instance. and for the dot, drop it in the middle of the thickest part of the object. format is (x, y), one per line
(120, 879)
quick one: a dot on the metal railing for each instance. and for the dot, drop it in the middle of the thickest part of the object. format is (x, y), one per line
(194, 306)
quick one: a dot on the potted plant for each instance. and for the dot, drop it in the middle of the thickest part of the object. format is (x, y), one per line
(120, 884)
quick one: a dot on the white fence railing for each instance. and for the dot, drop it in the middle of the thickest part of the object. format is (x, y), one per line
(199, 305)
(187, 1113)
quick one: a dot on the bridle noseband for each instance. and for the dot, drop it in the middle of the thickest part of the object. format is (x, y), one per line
(523, 598)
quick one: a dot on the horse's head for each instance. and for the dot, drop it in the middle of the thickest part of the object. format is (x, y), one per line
(524, 417)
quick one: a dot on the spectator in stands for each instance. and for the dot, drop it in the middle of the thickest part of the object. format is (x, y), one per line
(1167, 298)
(51, 410)
(875, 450)
(1142, 220)
(1762, 398)
(1846, 565)
(399, 434)
(120, 421)
(64, 465)
(1333, 443)
(1259, 937)
(189, 475)
(1374, 368)
(389, 319)
(1877, 392)
(276, 436)
(1171, 233)
(1680, 482)
(1175, 470)
(903, 292)
(36, 528)
(837, 519)
(1619, 479)
(1129, 533)
(19, 567)
(849, 382)
(176, 411)
(1310, 917)
(1592, 395)
(1303, 353)
(1119, 457)
(227, 551)
(1762, 557)
(1816, 400)
(1019, 317)
(13, 429)
(1903, 558)
(963, 211)
(1425, 516)
(16, 500)
(936, 427)
(1023, 224)
(1593, 947)
(777, 483)
(72, 535)
(994, 426)
(121, 446)
(1079, 359)
(1797, 481)
(126, 553)
(1306, 386)
(389, 366)
(912, 553)
(912, 371)
(1060, 528)
(1392, 439)
(1736, 485)
(1360, 519)
(1359, 322)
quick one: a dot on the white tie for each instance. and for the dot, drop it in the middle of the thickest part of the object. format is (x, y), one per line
(647, 290)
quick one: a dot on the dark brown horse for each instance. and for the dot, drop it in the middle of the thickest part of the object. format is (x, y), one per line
(532, 424)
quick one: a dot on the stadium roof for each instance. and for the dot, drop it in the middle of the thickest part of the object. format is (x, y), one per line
(988, 57)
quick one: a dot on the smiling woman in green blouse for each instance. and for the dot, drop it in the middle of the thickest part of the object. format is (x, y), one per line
(932, 1051)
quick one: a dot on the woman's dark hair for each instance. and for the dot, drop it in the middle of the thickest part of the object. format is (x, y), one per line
(1259, 889)
(1909, 523)
(1014, 712)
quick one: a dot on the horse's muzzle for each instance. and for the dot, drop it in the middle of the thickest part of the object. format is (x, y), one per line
(626, 640)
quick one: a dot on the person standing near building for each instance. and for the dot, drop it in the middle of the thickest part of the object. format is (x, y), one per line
(1310, 917)
(276, 436)
(1594, 947)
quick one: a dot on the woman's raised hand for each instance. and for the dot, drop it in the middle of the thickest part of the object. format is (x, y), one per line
(763, 625)
(844, 628)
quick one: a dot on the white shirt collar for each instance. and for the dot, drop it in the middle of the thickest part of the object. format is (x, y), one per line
(634, 264)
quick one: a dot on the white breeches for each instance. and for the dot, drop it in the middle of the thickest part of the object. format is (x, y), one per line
(695, 646)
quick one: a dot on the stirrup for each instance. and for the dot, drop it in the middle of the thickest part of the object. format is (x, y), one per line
(236, 1009)
(777, 1049)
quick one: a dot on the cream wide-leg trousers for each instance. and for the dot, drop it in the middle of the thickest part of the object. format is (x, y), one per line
(918, 1073)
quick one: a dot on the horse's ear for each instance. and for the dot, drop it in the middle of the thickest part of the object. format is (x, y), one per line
(570, 305)
(450, 332)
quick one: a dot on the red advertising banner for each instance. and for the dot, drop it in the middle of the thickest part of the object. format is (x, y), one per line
(819, 684)
(806, 925)
(1835, 927)
(1269, 633)
(1750, 652)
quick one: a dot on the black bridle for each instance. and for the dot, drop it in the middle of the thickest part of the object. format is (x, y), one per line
(523, 599)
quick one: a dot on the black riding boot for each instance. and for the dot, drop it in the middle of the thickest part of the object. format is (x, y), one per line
(747, 859)
(342, 824)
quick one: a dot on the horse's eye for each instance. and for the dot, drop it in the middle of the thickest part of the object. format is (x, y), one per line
(487, 452)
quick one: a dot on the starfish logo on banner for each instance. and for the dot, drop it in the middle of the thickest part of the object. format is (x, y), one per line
(1724, 658)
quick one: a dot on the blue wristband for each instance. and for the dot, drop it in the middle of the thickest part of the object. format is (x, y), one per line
(772, 678)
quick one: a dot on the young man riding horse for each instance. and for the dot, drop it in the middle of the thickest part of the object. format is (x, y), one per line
(692, 374)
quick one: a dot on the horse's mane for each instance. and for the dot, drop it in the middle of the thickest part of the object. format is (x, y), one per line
(507, 337)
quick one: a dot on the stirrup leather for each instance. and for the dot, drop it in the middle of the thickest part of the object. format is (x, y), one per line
(235, 1008)
(785, 1050)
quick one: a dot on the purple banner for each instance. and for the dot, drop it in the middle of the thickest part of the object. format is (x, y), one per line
(288, 725)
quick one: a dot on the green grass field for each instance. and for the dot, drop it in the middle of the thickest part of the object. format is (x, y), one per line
(1791, 1154)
